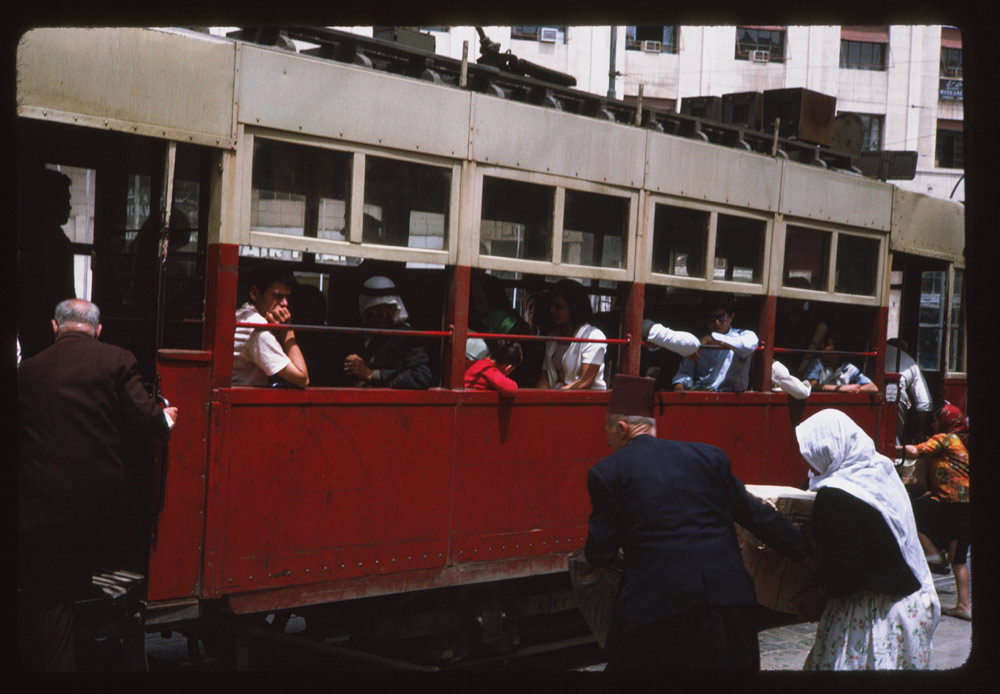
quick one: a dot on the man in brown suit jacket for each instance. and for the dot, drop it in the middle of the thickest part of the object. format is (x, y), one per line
(73, 400)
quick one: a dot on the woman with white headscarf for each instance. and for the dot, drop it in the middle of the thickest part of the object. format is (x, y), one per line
(881, 607)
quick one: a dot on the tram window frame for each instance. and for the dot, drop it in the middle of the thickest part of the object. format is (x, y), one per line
(708, 280)
(956, 344)
(832, 235)
(552, 263)
(354, 246)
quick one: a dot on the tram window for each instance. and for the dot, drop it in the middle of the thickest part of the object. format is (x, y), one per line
(79, 227)
(516, 219)
(680, 237)
(857, 265)
(290, 181)
(136, 204)
(807, 255)
(406, 204)
(931, 320)
(594, 229)
(739, 249)
(956, 345)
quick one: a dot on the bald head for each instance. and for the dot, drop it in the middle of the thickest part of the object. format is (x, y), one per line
(77, 314)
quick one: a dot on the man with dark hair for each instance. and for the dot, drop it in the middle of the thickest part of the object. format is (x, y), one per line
(833, 372)
(686, 601)
(726, 368)
(914, 395)
(74, 399)
(44, 255)
(258, 353)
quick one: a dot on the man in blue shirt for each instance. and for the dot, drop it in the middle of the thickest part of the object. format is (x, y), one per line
(831, 372)
(725, 365)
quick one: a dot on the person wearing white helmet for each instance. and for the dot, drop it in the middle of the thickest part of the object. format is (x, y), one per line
(387, 361)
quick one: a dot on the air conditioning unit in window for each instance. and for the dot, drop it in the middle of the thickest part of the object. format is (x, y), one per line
(652, 46)
(760, 56)
(548, 34)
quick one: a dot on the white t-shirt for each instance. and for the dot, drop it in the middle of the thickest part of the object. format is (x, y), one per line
(577, 354)
(257, 354)
(911, 380)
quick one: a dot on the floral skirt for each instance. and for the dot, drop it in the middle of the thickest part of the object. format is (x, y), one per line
(875, 631)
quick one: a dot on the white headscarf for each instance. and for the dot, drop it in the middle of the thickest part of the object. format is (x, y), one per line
(375, 291)
(843, 456)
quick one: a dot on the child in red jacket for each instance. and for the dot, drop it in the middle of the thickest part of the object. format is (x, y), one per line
(492, 371)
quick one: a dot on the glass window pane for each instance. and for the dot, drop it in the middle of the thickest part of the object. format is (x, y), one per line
(289, 180)
(516, 219)
(136, 203)
(807, 256)
(594, 229)
(406, 204)
(931, 317)
(857, 265)
(680, 237)
(956, 348)
(739, 249)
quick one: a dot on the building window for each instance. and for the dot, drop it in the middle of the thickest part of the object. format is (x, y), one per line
(871, 139)
(948, 153)
(951, 62)
(539, 33)
(652, 39)
(863, 55)
(761, 44)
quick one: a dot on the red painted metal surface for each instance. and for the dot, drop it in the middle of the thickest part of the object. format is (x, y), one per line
(175, 551)
(222, 280)
(334, 493)
(956, 391)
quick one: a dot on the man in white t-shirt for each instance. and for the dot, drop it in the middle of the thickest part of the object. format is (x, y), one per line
(913, 393)
(259, 353)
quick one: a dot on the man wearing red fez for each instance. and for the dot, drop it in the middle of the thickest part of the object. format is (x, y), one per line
(685, 599)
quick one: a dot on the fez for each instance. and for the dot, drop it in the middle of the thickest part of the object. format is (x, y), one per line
(632, 395)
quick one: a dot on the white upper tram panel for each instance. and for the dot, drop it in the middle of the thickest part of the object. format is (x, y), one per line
(192, 87)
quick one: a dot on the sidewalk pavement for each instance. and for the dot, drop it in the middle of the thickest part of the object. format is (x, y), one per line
(785, 646)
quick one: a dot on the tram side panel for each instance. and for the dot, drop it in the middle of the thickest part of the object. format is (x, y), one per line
(521, 474)
(319, 492)
(176, 542)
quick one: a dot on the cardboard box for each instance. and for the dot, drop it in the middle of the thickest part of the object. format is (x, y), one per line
(778, 580)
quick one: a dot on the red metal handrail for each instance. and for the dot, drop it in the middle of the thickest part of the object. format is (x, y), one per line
(817, 352)
(348, 330)
(552, 338)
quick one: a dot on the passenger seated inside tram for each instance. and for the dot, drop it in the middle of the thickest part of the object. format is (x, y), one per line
(492, 372)
(725, 366)
(387, 361)
(658, 335)
(260, 353)
(832, 372)
(573, 365)
(799, 324)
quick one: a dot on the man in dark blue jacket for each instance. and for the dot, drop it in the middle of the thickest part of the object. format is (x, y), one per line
(685, 599)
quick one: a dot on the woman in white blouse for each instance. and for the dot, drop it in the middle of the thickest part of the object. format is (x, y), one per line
(573, 365)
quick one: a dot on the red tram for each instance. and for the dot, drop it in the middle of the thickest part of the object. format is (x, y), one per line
(358, 157)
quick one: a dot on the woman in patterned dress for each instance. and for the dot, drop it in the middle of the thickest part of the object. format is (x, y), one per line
(942, 513)
(876, 604)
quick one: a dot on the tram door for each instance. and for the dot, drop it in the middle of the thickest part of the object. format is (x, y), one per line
(88, 227)
(920, 298)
